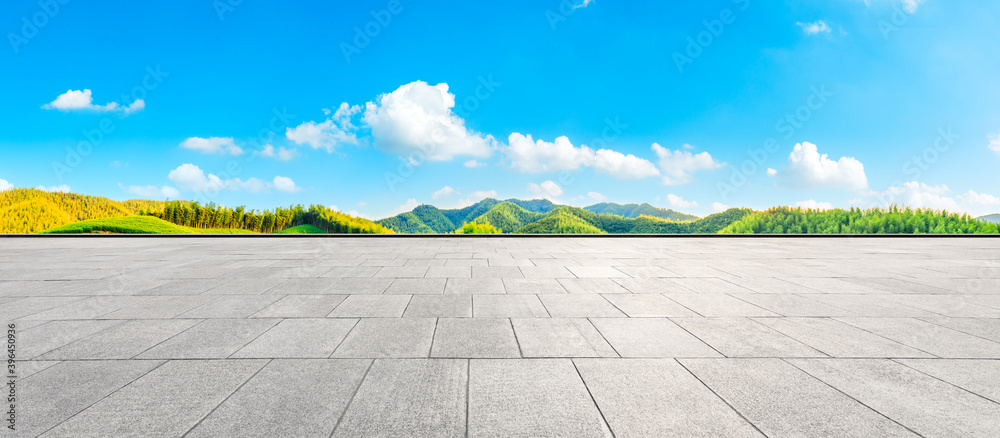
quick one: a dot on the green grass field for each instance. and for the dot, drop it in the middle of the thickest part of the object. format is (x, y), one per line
(302, 229)
(134, 225)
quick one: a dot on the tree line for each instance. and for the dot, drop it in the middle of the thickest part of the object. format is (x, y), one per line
(892, 220)
(214, 216)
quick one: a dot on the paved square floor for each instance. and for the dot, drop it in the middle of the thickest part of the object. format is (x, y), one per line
(575, 337)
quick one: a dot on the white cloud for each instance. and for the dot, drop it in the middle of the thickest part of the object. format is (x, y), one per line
(445, 192)
(362, 204)
(814, 28)
(623, 166)
(527, 155)
(675, 201)
(4, 185)
(472, 164)
(807, 168)
(911, 5)
(409, 205)
(212, 145)
(678, 166)
(77, 100)
(920, 195)
(814, 205)
(285, 184)
(417, 120)
(994, 142)
(979, 204)
(330, 133)
(718, 207)
(584, 4)
(476, 196)
(280, 154)
(597, 196)
(547, 190)
(60, 188)
(772, 172)
(164, 192)
(117, 164)
(192, 178)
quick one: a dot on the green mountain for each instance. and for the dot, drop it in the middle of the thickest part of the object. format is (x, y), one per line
(636, 210)
(508, 216)
(995, 218)
(430, 219)
(577, 220)
(560, 221)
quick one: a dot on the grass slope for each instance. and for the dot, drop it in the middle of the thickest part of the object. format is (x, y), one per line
(134, 225)
(302, 229)
(636, 210)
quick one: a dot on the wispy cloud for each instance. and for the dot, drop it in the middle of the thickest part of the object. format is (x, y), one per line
(83, 100)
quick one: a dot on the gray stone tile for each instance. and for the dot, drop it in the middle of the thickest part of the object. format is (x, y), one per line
(439, 306)
(579, 306)
(474, 338)
(401, 272)
(474, 286)
(647, 305)
(417, 286)
(781, 400)
(946, 306)
(592, 286)
(792, 305)
(650, 285)
(837, 339)
(32, 305)
(534, 286)
(508, 306)
(88, 308)
(246, 286)
(505, 397)
(710, 286)
(301, 306)
(183, 287)
(931, 338)
(982, 327)
(658, 397)
(231, 306)
(922, 403)
(59, 392)
(168, 401)
(361, 306)
(354, 286)
(714, 305)
(596, 272)
(289, 397)
(449, 272)
(643, 271)
(979, 376)
(870, 305)
(39, 340)
(743, 337)
(302, 286)
(560, 337)
(351, 272)
(210, 339)
(160, 307)
(422, 397)
(651, 337)
(299, 338)
(545, 271)
(496, 272)
(388, 338)
(122, 341)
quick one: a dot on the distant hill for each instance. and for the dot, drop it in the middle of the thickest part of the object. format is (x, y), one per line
(508, 216)
(995, 218)
(34, 211)
(636, 210)
(430, 219)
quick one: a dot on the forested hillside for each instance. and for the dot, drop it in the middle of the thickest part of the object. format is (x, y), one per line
(430, 219)
(636, 210)
(893, 220)
(508, 217)
(34, 211)
(212, 216)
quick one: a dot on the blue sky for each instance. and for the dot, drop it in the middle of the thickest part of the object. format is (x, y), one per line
(377, 106)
